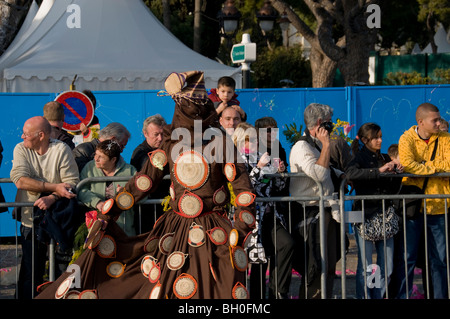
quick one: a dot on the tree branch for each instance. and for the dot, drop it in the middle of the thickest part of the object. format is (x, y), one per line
(298, 23)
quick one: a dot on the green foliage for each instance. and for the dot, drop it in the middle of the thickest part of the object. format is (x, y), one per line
(441, 76)
(341, 128)
(292, 134)
(439, 9)
(278, 64)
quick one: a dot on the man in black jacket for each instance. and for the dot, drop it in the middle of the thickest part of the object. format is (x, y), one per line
(153, 133)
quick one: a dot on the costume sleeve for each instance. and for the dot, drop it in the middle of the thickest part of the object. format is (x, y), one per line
(245, 196)
(152, 174)
(155, 169)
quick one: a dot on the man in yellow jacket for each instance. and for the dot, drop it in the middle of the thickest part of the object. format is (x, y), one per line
(415, 149)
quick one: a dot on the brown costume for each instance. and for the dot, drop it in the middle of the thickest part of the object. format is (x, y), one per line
(191, 251)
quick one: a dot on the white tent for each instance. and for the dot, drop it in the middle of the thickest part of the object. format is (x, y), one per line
(441, 40)
(108, 44)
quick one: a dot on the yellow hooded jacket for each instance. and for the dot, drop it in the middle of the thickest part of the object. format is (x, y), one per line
(415, 155)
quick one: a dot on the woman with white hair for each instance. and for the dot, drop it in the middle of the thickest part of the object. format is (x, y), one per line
(258, 166)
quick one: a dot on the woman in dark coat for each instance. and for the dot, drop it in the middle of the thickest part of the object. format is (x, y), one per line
(364, 171)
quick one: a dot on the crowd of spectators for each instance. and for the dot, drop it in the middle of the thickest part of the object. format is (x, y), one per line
(47, 167)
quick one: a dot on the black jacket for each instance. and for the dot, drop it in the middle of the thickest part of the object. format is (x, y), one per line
(364, 173)
(84, 153)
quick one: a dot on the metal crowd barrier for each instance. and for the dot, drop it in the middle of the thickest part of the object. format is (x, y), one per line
(346, 218)
(357, 217)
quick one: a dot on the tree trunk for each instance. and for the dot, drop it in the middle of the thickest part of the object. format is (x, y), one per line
(197, 26)
(166, 13)
(12, 13)
(323, 69)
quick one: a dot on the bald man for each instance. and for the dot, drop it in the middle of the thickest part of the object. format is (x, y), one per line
(44, 170)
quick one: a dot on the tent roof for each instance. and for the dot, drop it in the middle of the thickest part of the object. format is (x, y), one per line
(441, 40)
(119, 45)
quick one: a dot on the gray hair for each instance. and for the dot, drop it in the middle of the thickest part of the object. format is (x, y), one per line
(114, 130)
(315, 111)
(156, 119)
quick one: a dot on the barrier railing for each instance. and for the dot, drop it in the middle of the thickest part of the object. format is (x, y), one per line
(357, 217)
(346, 218)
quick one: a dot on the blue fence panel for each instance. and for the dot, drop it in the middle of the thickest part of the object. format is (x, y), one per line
(391, 107)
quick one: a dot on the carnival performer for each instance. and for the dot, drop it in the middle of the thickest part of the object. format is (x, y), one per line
(194, 250)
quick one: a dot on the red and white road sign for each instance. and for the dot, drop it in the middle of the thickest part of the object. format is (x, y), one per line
(78, 109)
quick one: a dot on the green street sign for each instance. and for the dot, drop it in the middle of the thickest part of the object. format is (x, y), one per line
(238, 53)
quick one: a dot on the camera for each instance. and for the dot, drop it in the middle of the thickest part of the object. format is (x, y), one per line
(328, 126)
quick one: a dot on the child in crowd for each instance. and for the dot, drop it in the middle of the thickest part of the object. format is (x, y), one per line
(224, 95)
(393, 154)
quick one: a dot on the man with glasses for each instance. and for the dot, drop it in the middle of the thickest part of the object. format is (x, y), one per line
(85, 152)
(43, 171)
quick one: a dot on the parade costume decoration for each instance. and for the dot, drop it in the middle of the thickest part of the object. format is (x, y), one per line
(194, 250)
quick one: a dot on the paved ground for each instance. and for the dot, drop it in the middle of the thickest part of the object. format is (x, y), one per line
(8, 262)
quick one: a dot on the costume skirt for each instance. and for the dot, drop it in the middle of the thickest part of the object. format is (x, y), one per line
(179, 258)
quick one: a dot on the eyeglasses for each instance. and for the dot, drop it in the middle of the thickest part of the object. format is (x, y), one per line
(27, 135)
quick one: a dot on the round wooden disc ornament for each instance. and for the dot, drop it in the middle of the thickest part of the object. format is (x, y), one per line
(107, 206)
(107, 247)
(220, 196)
(151, 245)
(218, 235)
(213, 272)
(92, 233)
(43, 286)
(165, 243)
(239, 291)
(64, 287)
(176, 260)
(191, 170)
(154, 273)
(115, 269)
(147, 263)
(124, 200)
(172, 191)
(196, 237)
(239, 257)
(88, 294)
(154, 294)
(73, 294)
(230, 171)
(247, 218)
(247, 238)
(97, 239)
(185, 286)
(143, 182)
(158, 159)
(190, 205)
(234, 237)
(245, 198)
